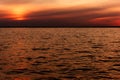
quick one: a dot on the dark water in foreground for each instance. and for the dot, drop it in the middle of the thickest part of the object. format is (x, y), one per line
(59, 54)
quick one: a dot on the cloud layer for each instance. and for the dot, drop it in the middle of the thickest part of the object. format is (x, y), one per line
(15, 1)
(62, 12)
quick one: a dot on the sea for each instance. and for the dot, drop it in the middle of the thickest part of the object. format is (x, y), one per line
(59, 53)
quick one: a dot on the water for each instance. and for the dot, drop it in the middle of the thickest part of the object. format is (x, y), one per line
(59, 54)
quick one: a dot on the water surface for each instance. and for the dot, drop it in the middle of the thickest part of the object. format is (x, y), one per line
(59, 54)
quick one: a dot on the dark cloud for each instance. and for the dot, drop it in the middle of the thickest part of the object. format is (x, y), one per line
(63, 12)
(78, 17)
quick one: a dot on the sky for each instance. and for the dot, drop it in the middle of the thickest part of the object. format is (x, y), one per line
(59, 13)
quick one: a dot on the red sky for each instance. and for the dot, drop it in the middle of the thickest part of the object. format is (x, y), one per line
(60, 12)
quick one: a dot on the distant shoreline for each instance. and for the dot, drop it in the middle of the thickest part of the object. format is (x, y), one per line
(60, 27)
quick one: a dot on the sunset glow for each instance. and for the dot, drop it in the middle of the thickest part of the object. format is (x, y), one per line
(61, 12)
(18, 13)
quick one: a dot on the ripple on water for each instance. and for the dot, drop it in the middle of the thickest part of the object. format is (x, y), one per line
(59, 54)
